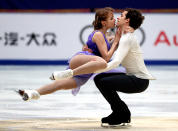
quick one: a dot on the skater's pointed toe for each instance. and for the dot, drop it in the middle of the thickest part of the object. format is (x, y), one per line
(28, 94)
(52, 77)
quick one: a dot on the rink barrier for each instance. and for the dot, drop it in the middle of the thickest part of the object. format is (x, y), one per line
(65, 62)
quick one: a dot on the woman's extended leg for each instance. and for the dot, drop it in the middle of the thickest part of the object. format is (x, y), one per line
(64, 84)
(81, 64)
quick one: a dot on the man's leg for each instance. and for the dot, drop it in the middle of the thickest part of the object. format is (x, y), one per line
(108, 84)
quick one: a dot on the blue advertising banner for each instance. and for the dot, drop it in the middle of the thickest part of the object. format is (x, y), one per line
(90, 4)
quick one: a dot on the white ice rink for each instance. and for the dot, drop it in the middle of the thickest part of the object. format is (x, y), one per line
(160, 99)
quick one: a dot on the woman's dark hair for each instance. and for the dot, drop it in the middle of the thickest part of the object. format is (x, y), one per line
(135, 17)
(101, 15)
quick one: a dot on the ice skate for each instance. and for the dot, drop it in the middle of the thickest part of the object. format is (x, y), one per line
(115, 120)
(28, 94)
(111, 122)
(59, 75)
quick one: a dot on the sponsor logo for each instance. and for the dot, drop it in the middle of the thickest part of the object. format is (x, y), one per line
(86, 30)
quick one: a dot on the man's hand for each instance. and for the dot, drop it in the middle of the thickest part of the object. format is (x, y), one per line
(85, 48)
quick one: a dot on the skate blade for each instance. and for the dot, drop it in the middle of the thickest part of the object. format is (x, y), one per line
(52, 77)
(22, 94)
(117, 126)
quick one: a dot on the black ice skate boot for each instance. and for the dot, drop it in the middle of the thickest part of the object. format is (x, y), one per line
(118, 117)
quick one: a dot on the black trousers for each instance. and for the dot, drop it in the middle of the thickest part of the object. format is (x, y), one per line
(109, 83)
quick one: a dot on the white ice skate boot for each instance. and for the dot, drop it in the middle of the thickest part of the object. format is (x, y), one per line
(28, 94)
(59, 75)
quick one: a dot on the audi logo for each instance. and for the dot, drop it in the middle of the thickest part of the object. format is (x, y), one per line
(90, 27)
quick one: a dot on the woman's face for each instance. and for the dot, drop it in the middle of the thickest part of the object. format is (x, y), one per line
(110, 22)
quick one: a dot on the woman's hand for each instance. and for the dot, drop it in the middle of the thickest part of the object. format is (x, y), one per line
(110, 37)
(117, 36)
(118, 33)
(85, 48)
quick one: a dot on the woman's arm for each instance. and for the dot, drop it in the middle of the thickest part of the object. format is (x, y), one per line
(120, 53)
(102, 46)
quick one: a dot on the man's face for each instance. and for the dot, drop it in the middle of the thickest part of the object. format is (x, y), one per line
(121, 20)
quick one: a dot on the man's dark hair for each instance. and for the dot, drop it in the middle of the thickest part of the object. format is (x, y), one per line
(135, 17)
